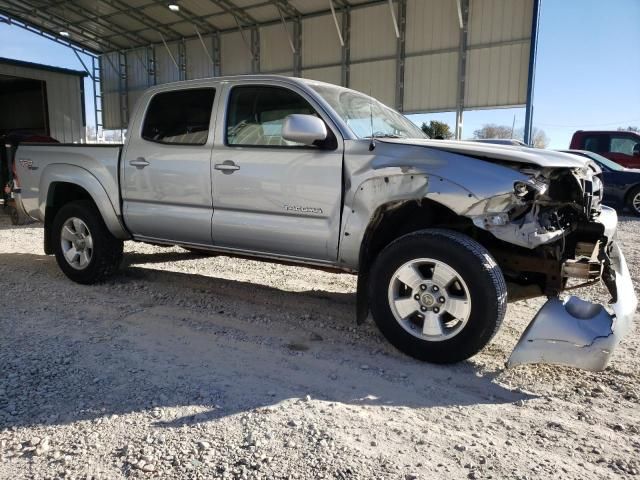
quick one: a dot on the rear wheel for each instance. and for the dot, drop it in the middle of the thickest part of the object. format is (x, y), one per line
(437, 295)
(84, 248)
(634, 201)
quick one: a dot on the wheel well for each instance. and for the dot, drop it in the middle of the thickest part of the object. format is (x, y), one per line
(59, 194)
(393, 220)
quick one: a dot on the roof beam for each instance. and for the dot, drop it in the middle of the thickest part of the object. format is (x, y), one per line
(228, 9)
(116, 29)
(119, 11)
(14, 20)
(286, 7)
(191, 17)
(237, 12)
(139, 15)
(58, 23)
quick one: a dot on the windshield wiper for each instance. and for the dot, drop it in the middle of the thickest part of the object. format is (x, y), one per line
(384, 135)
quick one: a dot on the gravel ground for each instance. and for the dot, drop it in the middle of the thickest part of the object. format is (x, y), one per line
(210, 367)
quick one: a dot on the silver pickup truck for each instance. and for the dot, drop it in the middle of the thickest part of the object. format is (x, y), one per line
(440, 233)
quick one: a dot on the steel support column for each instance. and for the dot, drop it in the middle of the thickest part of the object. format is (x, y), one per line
(462, 65)
(400, 53)
(96, 65)
(297, 43)
(217, 56)
(123, 89)
(182, 60)
(528, 116)
(346, 49)
(151, 65)
(255, 49)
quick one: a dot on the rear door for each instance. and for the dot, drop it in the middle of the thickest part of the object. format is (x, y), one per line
(166, 187)
(271, 196)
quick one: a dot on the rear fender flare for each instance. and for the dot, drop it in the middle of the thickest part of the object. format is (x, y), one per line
(82, 178)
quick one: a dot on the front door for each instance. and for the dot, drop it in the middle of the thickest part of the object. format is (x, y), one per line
(272, 196)
(167, 168)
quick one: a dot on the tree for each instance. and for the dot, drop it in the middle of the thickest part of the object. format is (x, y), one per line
(539, 138)
(629, 129)
(436, 129)
(491, 130)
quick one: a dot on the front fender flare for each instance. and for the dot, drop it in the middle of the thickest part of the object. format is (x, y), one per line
(376, 192)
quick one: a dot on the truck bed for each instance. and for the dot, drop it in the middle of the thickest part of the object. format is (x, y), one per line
(40, 164)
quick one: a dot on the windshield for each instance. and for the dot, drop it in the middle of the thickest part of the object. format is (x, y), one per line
(603, 161)
(366, 116)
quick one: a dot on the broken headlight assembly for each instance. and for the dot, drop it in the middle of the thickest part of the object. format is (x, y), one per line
(530, 188)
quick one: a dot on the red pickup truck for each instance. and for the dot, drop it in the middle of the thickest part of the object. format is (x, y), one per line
(621, 146)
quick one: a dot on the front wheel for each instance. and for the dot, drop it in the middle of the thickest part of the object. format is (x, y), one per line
(85, 249)
(437, 295)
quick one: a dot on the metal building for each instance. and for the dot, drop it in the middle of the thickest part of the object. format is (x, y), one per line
(42, 100)
(416, 55)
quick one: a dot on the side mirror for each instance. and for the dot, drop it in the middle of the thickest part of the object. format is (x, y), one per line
(636, 150)
(304, 129)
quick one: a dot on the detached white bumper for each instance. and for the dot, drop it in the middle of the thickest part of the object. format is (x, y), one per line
(577, 333)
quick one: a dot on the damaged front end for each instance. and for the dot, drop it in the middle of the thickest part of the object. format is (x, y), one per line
(578, 333)
(552, 229)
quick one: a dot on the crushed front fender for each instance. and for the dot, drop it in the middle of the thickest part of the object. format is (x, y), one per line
(578, 333)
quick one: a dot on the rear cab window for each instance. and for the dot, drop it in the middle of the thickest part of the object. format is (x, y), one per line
(179, 117)
(596, 143)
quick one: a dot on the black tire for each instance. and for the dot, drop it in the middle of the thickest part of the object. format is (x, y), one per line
(107, 250)
(635, 192)
(484, 280)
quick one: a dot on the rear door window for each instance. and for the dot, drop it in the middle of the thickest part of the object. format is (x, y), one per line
(180, 117)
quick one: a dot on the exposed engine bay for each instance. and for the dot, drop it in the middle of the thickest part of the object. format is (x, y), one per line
(549, 230)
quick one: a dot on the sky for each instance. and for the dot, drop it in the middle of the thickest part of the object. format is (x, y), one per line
(587, 71)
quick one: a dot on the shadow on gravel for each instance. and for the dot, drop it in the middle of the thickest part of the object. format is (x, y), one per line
(5, 223)
(134, 258)
(70, 353)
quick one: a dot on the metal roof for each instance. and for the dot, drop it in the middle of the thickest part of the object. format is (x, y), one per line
(417, 55)
(109, 25)
(39, 66)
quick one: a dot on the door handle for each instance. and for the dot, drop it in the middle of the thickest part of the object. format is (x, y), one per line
(139, 163)
(227, 167)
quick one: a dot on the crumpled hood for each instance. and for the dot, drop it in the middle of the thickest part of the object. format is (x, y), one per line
(534, 156)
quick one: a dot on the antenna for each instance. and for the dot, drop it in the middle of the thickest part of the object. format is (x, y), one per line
(372, 144)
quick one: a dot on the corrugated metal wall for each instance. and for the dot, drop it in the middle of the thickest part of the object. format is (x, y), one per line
(166, 70)
(320, 41)
(198, 60)
(496, 58)
(497, 75)
(110, 83)
(275, 50)
(236, 52)
(64, 100)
